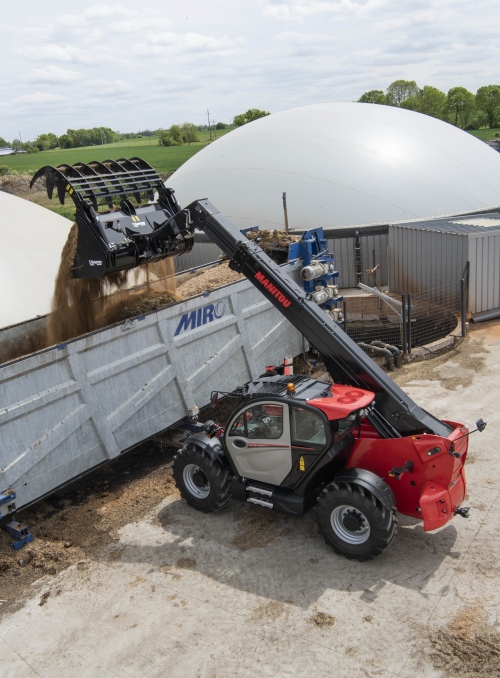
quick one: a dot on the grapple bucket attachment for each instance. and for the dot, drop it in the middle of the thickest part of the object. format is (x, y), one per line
(114, 234)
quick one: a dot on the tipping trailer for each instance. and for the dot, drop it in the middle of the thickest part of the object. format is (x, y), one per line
(372, 451)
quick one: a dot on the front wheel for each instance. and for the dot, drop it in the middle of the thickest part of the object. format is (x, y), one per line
(353, 522)
(202, 481)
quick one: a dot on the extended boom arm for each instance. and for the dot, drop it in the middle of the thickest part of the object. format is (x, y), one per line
(395, 414)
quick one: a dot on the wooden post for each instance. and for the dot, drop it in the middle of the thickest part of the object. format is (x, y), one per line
(286, 213)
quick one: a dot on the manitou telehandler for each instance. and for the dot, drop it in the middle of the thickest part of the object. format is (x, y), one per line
(358, 450)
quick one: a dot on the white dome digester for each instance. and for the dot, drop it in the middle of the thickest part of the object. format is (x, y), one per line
(31, 242)
(341, 164)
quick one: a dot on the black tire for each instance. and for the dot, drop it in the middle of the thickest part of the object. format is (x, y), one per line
(202, 481)
(353, 522)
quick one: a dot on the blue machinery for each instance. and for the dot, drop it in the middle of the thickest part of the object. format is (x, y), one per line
(20, 532)
(318, 274)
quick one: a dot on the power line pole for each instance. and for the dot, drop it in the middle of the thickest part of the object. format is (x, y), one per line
(209, 128)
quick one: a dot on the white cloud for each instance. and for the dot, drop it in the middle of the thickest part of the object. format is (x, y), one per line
(169, 62)
(53, 75)
(39, 98)
(298, 10)
(50, 52)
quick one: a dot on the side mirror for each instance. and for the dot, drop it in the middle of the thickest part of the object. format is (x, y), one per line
(481, 425)
(214, 398)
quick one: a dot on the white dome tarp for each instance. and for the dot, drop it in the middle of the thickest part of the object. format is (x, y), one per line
(341, 164)
(31, 242)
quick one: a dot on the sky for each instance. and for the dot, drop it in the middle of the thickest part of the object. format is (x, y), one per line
(134, 65)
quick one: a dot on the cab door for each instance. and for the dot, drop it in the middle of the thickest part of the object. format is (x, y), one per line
(258, 441)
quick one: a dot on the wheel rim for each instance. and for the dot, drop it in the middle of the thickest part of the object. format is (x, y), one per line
(192, 476)
(350, 524)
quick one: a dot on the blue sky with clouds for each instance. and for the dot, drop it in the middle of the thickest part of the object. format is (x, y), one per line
(132, 66)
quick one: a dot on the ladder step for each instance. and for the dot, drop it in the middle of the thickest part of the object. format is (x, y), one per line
(260, 502)
(260, 490)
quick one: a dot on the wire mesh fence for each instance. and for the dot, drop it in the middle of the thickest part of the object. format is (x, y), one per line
(407, 321)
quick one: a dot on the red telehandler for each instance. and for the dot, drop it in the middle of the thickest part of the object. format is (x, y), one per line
(359, 450)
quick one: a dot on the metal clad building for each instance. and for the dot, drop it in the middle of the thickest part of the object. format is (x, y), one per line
(433, 254)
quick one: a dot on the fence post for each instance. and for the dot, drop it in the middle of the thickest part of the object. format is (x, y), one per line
(403, 324)
(409, 323)
(357, 254)
(464, 298)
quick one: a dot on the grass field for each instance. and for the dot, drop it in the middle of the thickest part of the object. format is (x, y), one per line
(163, 159)
(484, 134)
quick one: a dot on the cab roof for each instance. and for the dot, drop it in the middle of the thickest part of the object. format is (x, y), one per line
(335, 400)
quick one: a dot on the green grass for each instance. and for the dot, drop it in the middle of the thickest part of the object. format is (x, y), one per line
(484, 134)
(162, 159)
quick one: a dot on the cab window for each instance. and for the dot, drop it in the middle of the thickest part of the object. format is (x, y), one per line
(307, 426)
(264, 421)
(238, 427)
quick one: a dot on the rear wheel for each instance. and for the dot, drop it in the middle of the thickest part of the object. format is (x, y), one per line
(353, 522)
(202, 481)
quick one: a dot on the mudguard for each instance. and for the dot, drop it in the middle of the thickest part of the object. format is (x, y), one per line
(369, 481)
(211, 446)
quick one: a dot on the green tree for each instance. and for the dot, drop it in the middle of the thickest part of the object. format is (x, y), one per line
(488, 100)
(44, 142)
(189, 133)
(221, 125)
(3, 142)
(162, 137)
(175, 133)
(461, 105)
(429, 101)
(65, 141)
(374, 96)
(249, 116)
(400, 90)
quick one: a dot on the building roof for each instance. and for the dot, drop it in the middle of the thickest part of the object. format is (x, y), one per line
(482, 223)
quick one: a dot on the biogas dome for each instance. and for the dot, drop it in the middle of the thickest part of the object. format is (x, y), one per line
(341, 164)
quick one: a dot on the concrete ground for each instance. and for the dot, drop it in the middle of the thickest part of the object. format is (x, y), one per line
(250, 592)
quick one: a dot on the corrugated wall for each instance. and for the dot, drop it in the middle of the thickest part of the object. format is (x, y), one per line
(484, 257)
(421, 260)
(373, 250)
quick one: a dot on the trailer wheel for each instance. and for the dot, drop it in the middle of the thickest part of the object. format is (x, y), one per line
(353, 522)
(202, 481)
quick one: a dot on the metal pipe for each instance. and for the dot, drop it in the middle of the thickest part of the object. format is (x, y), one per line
(487, 315)
(464, 298)
(409, 324)
(389, 358)
(344, 310)
(403, 324)
(393, 349)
